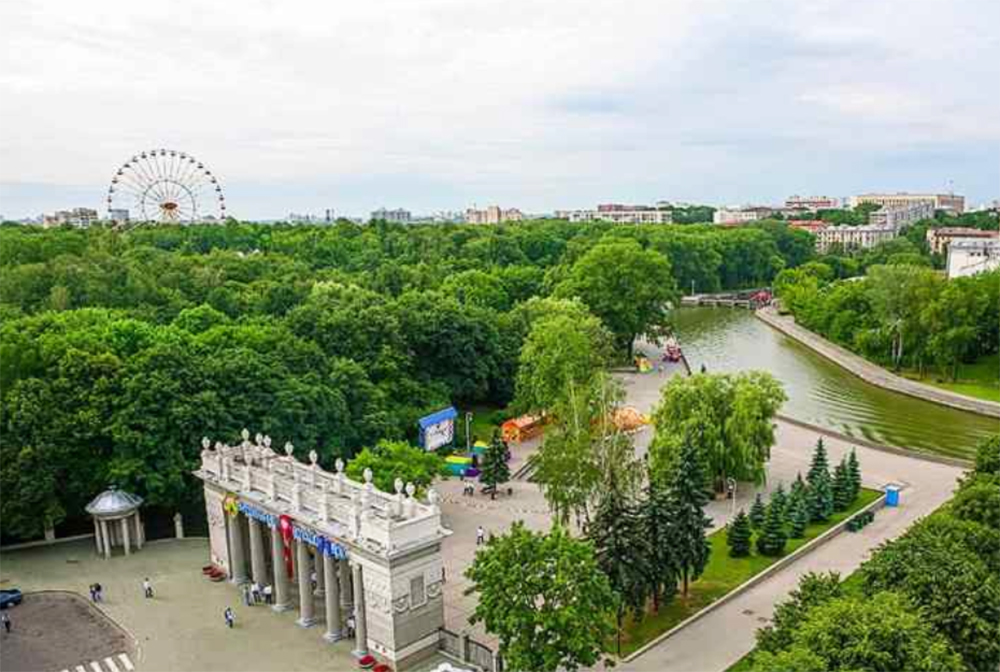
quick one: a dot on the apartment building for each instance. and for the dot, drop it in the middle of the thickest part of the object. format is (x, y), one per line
(812, 203)
(74, 217)
(742, 215)
(621, 214)
(951, 203)
(493, 214)
(853, 237)
(939, 239)
(969, 256)
(398, 216)
(900, 216)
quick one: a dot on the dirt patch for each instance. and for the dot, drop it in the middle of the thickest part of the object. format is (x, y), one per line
(59, 630)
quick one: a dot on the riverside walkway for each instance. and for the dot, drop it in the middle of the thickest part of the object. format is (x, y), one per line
(873, 373)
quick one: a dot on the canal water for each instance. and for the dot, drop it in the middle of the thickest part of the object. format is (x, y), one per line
(820, 392)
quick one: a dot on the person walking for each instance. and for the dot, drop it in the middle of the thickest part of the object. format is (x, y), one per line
(93, 592)
(350, 626)
(230, 617)
(98, 593)
(6, 622)
(268, 594)
(147, 588)
(255, 592)
(480, 535)
(245, 591)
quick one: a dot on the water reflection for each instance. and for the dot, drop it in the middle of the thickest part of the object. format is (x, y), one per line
(820, 392)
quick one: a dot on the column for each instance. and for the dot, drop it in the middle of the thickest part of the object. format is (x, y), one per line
(320, 573)
(305, 585)
(360, 618)
(334, 630)
(138, 530)
(237, 561)
(280, 574)
(97, 537)
(107, 538)
(258, 568)
(346, 592)
(125, 535)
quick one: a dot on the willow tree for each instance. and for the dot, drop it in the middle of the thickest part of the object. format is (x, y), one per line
(728, 416)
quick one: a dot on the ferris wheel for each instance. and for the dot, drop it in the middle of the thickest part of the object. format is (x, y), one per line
(164, 186)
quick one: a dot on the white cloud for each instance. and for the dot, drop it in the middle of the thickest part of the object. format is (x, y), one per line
(549, 103)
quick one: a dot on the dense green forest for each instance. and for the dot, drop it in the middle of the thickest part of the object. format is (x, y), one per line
(118, 352)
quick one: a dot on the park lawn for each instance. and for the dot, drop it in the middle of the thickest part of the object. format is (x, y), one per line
(721, 575)
(980, 380)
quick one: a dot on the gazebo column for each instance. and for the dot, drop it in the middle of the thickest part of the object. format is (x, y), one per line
(346, 593)
(305, 586)
(138, 530)
(238, 563)
(360, 618)
(97, 537)
(125, 535)
(331, 598)
(107, 539)
(258, 568)
(280, 573)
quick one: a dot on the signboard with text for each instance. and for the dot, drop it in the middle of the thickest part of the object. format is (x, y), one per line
(437, 429)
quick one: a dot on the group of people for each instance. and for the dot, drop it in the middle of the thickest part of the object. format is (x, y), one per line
(96, 592)
(254, 593)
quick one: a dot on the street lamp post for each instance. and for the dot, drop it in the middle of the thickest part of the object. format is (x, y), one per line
(731, 482)
(468, 439)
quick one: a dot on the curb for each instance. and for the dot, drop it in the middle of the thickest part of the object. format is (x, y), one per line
(857, 365)
(754, 580)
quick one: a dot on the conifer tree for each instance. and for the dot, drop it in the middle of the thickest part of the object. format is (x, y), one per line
(800, 518)
(757, 513)
(779, 500)
(738, 535)
(854, 470)
(820, 485)
(622, 551)
(841, 487)
(656, 511)
(688, 499)
(772, 539)
(494, 470)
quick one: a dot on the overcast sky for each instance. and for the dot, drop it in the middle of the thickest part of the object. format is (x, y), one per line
(536, 104)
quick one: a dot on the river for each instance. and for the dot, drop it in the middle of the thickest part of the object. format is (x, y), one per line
(820, 392)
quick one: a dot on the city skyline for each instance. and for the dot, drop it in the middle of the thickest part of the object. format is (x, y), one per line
(433, 107)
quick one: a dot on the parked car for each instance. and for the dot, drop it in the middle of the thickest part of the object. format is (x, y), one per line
(10, 597)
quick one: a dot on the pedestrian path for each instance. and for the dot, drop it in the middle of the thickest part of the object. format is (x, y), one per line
(115, 663)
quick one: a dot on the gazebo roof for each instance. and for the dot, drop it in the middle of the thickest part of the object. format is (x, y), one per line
(113, 502)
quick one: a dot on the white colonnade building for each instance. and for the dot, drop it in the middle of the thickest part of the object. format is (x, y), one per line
(375, 555)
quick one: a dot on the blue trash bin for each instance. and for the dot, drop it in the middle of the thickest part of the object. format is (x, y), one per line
(891, 495)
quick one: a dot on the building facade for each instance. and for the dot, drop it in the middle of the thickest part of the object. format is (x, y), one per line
(901, 216)
(853, 237)
(375, 555)
(812, 203)
(970, 256)
(621, 214)
(493, 214)
(951, 203)
(742, 215)
(397, 216)
(939, 239)
(74, 217)
(810, 225)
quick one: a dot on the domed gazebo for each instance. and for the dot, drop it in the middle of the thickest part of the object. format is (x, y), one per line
(116, 521)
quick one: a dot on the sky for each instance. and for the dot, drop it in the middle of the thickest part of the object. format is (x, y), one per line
(537, 104)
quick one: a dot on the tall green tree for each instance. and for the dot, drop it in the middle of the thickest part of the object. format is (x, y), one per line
(532, 589)
(687, 491)
(656, 510)
(758, 512)
(771, 539)
(628, 288)
(623, 552)
(730, 416)
(820, 484)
